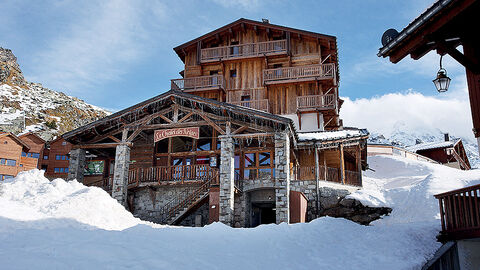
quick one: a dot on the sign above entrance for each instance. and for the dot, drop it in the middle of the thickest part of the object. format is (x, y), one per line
(192, 132)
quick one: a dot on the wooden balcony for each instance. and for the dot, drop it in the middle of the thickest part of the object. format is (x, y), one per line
(261, 104)
(202, 83)
(307, 173)
(172, 174)
(248, 50)
(299, 74)
(460, 213)
(316, 102)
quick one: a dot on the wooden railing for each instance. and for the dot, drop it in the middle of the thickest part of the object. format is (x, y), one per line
(243, 50)
(307, 173)
(201, 83)
(460, 213)
(180, 174)
(301, 73)
(105, 183)
(325, 102)
(261, 104)
(182, 202)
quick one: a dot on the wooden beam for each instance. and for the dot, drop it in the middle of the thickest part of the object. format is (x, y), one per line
(174, 125)
(241, 129)
(134, 135)
(100, 145)
(105, 136)
(255, 28)
(443, 47)
(115, 139)
(124, 135)
(251, 135)
(342, 163)
(185, 117)
(165, 118)
(211, 123)
(317, 182)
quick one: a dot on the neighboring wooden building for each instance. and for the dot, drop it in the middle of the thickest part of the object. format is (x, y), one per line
(32, 158)
(272, 68)
(449, 152)
(233, 139)
(11, 159)
(391, 150)
(55, 158)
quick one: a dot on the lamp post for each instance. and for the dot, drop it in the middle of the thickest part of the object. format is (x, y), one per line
(442, 81)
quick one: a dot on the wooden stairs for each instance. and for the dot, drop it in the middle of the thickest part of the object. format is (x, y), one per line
(180, 205)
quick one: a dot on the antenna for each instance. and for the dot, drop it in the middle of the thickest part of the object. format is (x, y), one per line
(388, 36)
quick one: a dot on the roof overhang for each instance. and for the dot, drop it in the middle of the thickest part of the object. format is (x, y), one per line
(439, 27)
(16, 139)
(241, 23)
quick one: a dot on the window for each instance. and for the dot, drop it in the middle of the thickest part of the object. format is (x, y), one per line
(94, 167)
(24, 154)
(21, 165)
(60, 170)
(45, 157)
(258, 165)
(2, 161)
(35, 155)
(245, 98)
(64, 143)
(5, 177)
(204, 144)
(233, 73)
(235, 50)
(11, 162)
(58, 157)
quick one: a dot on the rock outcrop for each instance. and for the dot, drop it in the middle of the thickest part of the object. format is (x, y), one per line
(26, 106)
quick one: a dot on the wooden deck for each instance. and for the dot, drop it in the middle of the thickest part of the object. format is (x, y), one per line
(261, 105)
(319, 102)
(240, 51)
(298, 74)
(202, 83)
(460, 213)
(307, 173)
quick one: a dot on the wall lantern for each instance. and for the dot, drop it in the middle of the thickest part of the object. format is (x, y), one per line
(442, 81)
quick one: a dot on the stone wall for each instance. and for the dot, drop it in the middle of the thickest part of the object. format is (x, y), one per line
(282, 177)
(120, 174)
(76, 165)
(198, 218)
(240, 219)
(226, 181)
(148, 201)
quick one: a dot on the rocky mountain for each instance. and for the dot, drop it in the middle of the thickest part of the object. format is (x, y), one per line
(27, 106)
(402, 136)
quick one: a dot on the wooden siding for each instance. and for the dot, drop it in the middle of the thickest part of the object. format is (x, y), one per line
(10, 149)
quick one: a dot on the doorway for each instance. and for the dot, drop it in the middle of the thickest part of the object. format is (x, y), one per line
(263, 213)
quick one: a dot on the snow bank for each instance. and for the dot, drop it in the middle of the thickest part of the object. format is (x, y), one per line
(31, 196)
(43, 224)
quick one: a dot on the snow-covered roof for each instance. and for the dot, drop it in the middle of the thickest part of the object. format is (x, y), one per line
(332, 135)
(431, 145)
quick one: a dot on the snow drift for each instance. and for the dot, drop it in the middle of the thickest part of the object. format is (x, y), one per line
(67, 225)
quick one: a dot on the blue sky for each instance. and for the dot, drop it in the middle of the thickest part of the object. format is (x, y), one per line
(116, 53)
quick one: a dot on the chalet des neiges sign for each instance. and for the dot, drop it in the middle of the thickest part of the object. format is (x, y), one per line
(192, 132)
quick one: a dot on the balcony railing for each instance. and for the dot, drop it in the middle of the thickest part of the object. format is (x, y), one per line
(322, 102)
(301, 73)
(460, 213)
(243, 51)
(178, 174)
(261, 105)
(202, 83)
(307, 173)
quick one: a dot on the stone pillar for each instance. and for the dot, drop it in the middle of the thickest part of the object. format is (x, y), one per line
(226, 213)
(76, 165)
(282, 177)
(120, 174)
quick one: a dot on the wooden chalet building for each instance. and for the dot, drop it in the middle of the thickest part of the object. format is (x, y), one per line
(449, 152)
(15, 154)
(249, 136)
(55, 158)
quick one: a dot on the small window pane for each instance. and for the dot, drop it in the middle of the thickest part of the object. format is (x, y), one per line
(237, 162)
(45, 157)
(11, 162)
(250, 174)
(264, 158)
(24, 154)
(204, 144)
(250, 160)
(2, 161)
(58, 157)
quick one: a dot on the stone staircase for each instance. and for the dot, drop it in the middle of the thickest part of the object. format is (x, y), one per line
(180, 205)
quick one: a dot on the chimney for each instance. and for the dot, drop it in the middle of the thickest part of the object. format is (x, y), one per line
(418, 141)
(265, 21)
(447, 138)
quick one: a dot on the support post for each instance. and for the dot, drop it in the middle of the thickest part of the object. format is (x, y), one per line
(227, 188)
(317, 182)
(359, 163)
(76, 165)
(282, 177)
(120, 174)
(342, 164)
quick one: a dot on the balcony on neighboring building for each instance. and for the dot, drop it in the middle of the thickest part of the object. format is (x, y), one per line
(248, 50)
(202, 83)
(261, 104)
(299, 74)
(316, 102)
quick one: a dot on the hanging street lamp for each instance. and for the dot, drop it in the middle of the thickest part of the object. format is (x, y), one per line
(442, 81)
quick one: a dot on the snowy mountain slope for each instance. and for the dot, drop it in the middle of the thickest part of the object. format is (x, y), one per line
(63, 233)
(47, 112)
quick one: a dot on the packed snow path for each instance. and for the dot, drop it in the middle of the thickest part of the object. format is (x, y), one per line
(45, 225)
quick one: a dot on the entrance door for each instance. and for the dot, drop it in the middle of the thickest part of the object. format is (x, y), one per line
(263, 213)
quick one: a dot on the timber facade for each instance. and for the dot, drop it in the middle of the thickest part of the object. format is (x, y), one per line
(249, 136)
